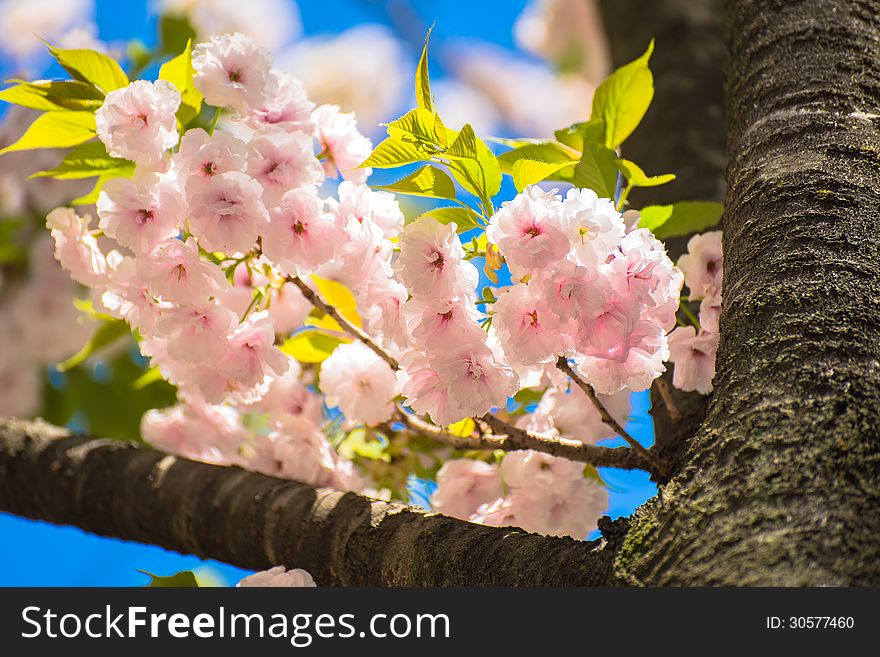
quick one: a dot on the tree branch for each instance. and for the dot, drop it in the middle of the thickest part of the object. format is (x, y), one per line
(659, 466)
(254, 521)
(509, 438)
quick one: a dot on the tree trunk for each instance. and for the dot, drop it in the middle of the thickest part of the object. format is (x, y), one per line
(781, 486)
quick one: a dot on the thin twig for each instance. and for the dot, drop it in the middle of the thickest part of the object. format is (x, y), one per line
(325, 307)
(507, 437)
(660, 466)
(668, 401)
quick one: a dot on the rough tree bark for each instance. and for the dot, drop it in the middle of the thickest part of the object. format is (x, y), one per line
(780, 485)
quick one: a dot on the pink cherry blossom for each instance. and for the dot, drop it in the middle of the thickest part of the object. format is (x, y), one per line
(288, 394)
(281, 161)
(360, 383)
(345, 147)
(75, 248)
(227, 213)
(439, 324)
(139, 213)
(527, 468)
(595, 228)
(528, 330)
(299, 236)
(175, 272)
(288, 309)
(703, 264)
(363, 256)
(573, 292)
(285, 104)
(231, 71)
(251, 356)
(126, 295)
(278, 577)
(463, 485)
(633, 364)
(381, 307)
(426, 392)
(575, 416)
(195, 430)
(710, 310)
(529, 231)
(694, 357)
(138, 122)
(431, 261)
(203, 155)
(196, 333)
(360, 203)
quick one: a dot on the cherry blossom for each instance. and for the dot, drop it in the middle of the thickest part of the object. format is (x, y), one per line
(138, 122)
(175, 272)
(300, 236)
(595, 228)
(278, 577)
(281, 161)
(463, 485)
(360, 383)
(528, 329)
(139, 213)
(345, 147)
(227, 212)
(431, 261)
(693, 354)
(231, 70)
(285, 104)
(702, 264)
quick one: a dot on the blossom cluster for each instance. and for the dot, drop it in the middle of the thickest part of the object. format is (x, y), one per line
(218, 232)
(692, 349)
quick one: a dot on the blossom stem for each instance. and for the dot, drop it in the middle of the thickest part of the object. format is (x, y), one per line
(214, 121)
(660, 466)
(316, 300)
(690, 315)
(506, 437)
(668, 401)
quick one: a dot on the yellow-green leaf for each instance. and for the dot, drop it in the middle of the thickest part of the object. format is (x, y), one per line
(575, 135)
(86, 161)
(681, 218)
(152, 375)
(622, 100)
(91, 66)
(179, 72)
(419, 125)
(528, 172)
(426, 181)
(107, 333)
(393, 153)
(423, 81)
(638, 178)
(54, 95)
(183, 579)
(340, 297)
(463, 218)
(596, 170)
(358, 443)
(91, 197)
(463, 428)
(546, 152)
(473, 165)
(56, 129)
(310, 346)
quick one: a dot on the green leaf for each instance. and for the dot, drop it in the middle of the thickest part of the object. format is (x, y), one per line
(426, 181)
(637, 178)
(91, 66)
(179, 72)
(174, 33)
(622, 100)
(183, 579)
(393, 153)
(56, 129)
(359, 443)
(108, 332)
(464, 218)
(574, 136)
(546, 152)
(419, 125)
(88, 160)
(682, 218)
(423, 81)
(596, 170)
(54, 95)
(152, 375)
(310, 346)
(473, 165)
(528, 172)
(91, 197)
(462, 428)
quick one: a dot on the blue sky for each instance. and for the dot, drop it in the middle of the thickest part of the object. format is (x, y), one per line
(35, 553)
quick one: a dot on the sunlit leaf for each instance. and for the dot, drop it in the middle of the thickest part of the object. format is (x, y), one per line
(528, 172)
(179, 72)
(462, 428)
(464, 218)
(91, 66)
(622, 100)
(546, 152)
(86, 161)
(427, 181)
(359, 443)
(393, 153)
(473, 165)
(638, 178)
(574, 136)
(310, 346)
(340, 297)
(174, 33)
(56, 129)
(681, 218)
(54, 95)
(423, 81)
(108, 332)
(596, 170)
(419, 125)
